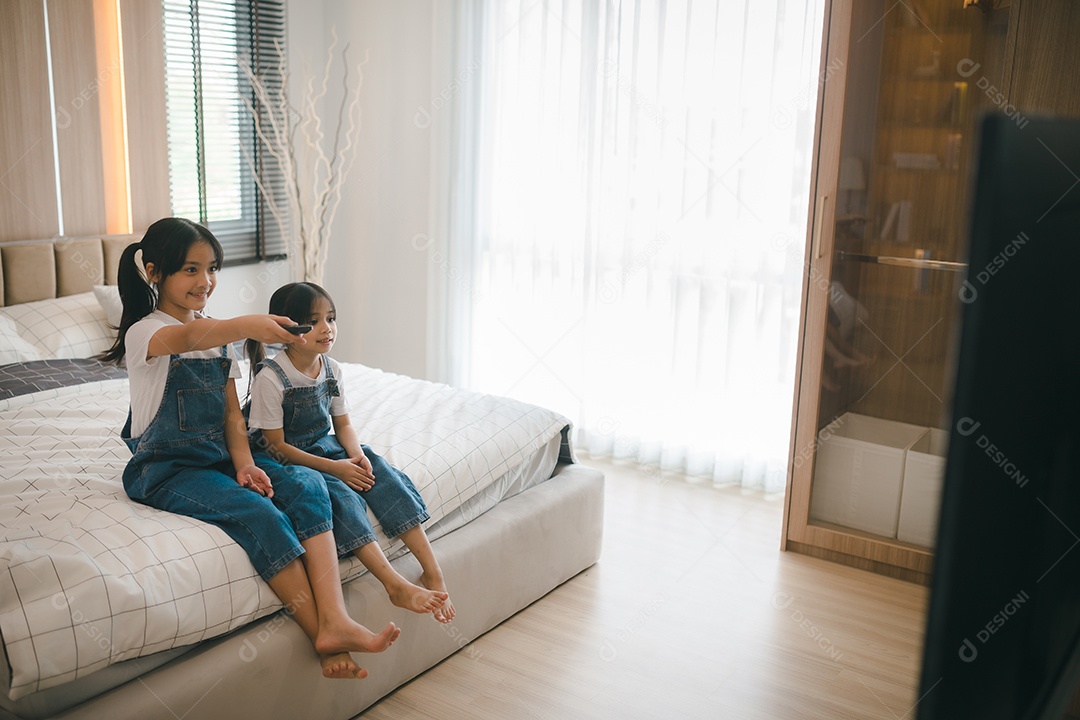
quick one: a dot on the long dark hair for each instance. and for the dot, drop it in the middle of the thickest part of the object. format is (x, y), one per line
(295, 301)
(165, 244)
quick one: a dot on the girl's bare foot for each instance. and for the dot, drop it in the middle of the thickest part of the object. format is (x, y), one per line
(413, 597)
(341, 666)
(446, 612)
(349, 636)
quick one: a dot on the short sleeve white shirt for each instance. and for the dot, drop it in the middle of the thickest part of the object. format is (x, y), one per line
(146, 376)
(267, 392)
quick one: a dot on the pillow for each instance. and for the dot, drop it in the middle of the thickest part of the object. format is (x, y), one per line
(69, 327)
(108, 296)
(13, 349)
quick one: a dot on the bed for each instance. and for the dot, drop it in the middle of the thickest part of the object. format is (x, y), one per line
(112, 609)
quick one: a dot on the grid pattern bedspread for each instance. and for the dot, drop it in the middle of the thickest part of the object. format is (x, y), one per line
(88, 577)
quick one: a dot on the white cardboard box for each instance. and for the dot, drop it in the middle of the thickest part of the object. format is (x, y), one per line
(860, 471)
(924, 475)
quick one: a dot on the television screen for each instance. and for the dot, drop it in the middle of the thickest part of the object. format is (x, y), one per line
(1003, 626)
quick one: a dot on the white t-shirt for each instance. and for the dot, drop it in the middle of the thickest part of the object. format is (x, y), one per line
(146, 377)
(267, 392)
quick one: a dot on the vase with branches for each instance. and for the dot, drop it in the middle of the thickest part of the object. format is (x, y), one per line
(314, 162)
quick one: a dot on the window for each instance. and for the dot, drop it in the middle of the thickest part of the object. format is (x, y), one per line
(632, 254)
(213, 150)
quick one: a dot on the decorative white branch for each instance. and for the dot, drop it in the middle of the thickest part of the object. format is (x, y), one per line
(314, 176)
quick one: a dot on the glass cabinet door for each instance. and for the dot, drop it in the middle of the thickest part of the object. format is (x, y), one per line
(917, 76)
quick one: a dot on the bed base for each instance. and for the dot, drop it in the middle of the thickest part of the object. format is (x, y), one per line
(496, 565)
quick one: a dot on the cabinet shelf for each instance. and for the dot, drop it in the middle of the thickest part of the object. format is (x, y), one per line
(929, 79)
(908, 262)
(893, 170)
(912, 125)
(919, 30)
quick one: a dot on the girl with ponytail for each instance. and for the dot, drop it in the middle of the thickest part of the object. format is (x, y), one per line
(299, 412)
(188, 438)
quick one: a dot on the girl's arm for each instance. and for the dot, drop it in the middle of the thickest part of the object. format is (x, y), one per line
(247, 473)
(207, 333)
(343, 429)
(347, 471)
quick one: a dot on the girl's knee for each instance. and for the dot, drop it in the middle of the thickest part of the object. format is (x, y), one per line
(301, 494)
(300, 481)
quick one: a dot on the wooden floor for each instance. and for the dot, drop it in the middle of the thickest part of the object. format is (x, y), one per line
(692, 612)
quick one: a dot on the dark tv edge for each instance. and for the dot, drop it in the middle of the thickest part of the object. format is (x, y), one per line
(1056, 696)
(989, 213)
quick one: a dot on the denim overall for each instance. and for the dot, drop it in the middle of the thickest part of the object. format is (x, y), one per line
(181, 464)
(393, 498)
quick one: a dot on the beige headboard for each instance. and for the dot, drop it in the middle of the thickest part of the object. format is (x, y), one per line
(41, 269)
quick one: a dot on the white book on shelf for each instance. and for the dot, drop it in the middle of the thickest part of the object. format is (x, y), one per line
(903, 222)
(890, 220)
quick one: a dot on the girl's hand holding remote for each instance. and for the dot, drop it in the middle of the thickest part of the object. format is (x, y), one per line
(270, 329)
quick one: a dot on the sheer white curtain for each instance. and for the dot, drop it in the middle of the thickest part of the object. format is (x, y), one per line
(627, 221)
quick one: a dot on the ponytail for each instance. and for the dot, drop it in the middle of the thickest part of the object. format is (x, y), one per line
(256, 353)
(138, 297)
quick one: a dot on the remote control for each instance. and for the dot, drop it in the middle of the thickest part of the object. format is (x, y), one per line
(298, 329)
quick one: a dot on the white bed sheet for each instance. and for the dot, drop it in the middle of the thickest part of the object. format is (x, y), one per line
(89, 578)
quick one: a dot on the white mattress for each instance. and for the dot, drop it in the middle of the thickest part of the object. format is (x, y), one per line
(89, 579)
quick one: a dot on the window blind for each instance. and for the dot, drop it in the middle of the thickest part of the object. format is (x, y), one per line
(214, 152)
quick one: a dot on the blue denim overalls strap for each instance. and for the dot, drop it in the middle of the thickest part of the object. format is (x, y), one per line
(181, 464)
(306, 410)
(307, 425)
(393, 499)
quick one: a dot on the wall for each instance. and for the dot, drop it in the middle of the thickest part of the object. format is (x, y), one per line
(376, 276)
(378, 279)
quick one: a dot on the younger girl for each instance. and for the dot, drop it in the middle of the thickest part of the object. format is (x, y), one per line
(189, 441)
(295, 399)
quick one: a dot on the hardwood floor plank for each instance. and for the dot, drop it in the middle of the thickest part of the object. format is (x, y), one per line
(692, 612)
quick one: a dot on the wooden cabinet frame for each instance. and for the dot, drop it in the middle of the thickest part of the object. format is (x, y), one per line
(833, 542)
